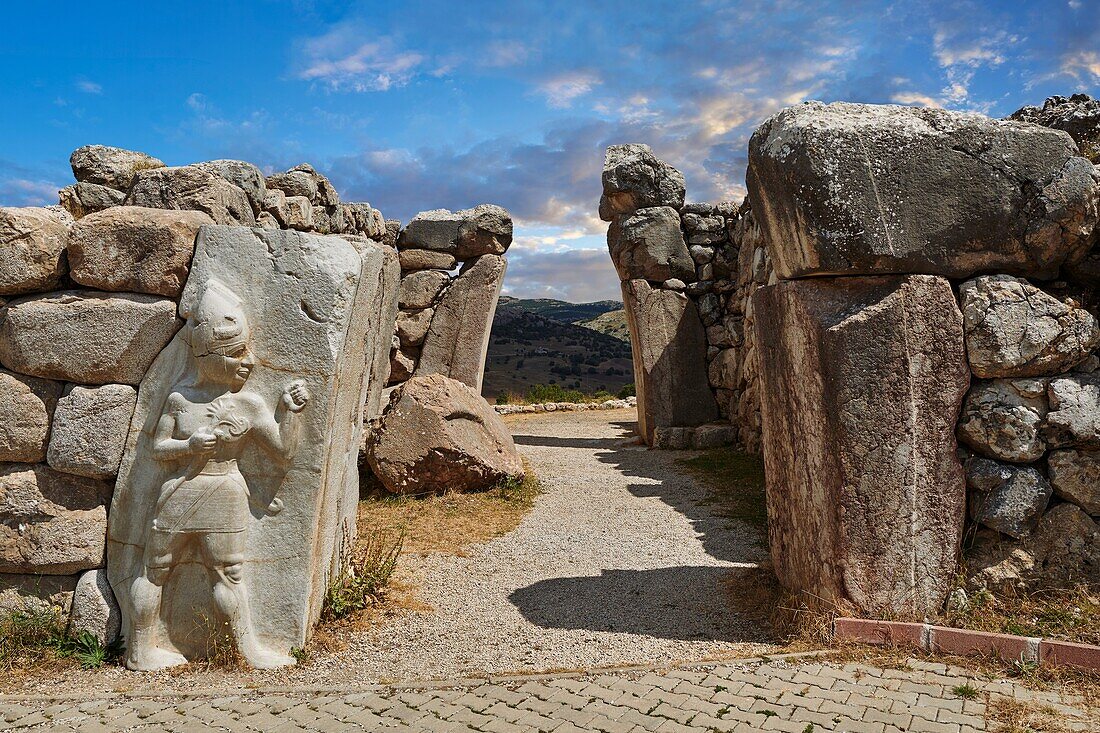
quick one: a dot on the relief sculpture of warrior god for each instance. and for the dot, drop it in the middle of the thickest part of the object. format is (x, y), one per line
(202, 510)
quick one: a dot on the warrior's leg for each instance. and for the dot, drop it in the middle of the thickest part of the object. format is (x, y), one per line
(225, 556)
(146, 591)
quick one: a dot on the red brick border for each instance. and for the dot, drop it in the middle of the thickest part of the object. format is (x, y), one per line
(946, 640)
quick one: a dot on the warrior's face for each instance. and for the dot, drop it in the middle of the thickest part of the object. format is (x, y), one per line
(220, 337)
(230, 367)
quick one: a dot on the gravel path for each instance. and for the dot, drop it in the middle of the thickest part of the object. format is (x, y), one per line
(617, 563)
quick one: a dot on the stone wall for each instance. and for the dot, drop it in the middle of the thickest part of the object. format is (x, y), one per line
(92, 294)
(688, 272)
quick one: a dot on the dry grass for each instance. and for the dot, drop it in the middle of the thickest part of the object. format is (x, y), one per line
(1014, 716)
(451, 523)
(734, 483)
(1068, 614)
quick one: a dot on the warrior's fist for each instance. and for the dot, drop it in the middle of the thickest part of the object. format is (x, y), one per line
(202, 442)
(295, 396)
(275, 506)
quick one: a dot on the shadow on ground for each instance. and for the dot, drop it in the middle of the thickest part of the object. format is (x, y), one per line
(683, 603)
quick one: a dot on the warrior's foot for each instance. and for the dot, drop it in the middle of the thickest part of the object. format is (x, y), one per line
(153, 659)
(262, 658)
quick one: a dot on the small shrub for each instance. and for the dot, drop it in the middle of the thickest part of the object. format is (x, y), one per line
(966, 691)
(33, 636)
(626, 391)
(364, 573)
(87, 649)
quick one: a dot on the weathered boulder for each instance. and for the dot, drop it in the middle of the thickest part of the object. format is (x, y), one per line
(86, 336)
(435, 230)
(26, 411)
(426, 259)
(458, 335)
(1004, 419)
(1079, 115)
(89, 430)
(669, 347)
(273, 366)
(420, 289)
(855, 188)
(192, 188)
(440, 435)
(634, 178)
(1013, 329)
(51, 523)
(107, 166)
(1007, 498)
(303, 180)
(299, 213)
(32, 245)
(1074, 417)
(393, 233)
(244, 176)
(36, 593)
(1075, 476)
(866, 506)
(648, 245)
(362, 218)
(412, 326)
(275, 206)
(82, 199)
(134, 249)
(486, 230)
(402, 363)
(94, 608)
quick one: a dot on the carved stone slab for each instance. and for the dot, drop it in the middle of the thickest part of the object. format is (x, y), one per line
(239, 480)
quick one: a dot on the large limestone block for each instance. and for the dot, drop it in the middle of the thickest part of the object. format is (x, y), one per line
(382, 318)
(192, 188)
(239, 483)
(82, 199)
(426, 259)
(634, 178)
(862, 189)
(86, 337)
(50, 522)
(862, 379)
(486, 230)
(134, 249)
(458, 336)
(670, 368)
(1013, 329)
(94, 608)
(26, 412)
(36, 593)
(440, 435)
(89, 430)
(436, 230)
(648, 245)
(107, 166)
(420, 289)
(412, 326)
(244, 176)
(1074, 417)
(1005, 419)
(1007, 498)
(1075, 475)
(32, 245)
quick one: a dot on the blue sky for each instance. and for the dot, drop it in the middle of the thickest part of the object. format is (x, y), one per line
(419, 105)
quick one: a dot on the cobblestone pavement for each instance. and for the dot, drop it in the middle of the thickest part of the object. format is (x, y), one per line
(797, 695)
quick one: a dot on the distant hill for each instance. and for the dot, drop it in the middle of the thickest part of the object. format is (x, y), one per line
(560, 310)
(613, 323)
(527, 346)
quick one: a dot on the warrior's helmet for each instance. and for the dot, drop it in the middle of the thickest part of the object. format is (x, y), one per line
(218, 323)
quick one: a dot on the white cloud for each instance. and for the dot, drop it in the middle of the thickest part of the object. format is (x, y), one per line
(1082, 64)
(343, 61)
(561, 90)
(89, 87)
(28, 192)
(916, 98)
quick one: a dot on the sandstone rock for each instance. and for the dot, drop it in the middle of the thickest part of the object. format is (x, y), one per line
(421, 288)
(412, 326)
(325, 192)
(275, 206)
(440, 435)
(192, 188)
(1079, 115)
(50, 522)
(82, 199)
(1004, 419)
(109, 166)
(436, 230)
(362, 219)
(244, 176)
(329, 219)
(272, 366)
(854, 188)
(866, 506)
(32, 244)
(634, 178)
(402, 363)
(95, 609)
(267, 221)
(426, 259)
(648, 245)
(1013, 329)
(669, 348)
(486, 230)
(89, 430)
(295, 183)
(1074, 417)
(135, 249)
(393, 233)
(458, 335)
(299, 213)
(1075, 475)
(26, 409)
(1007, 498)
(86, 336)
(36, 593)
